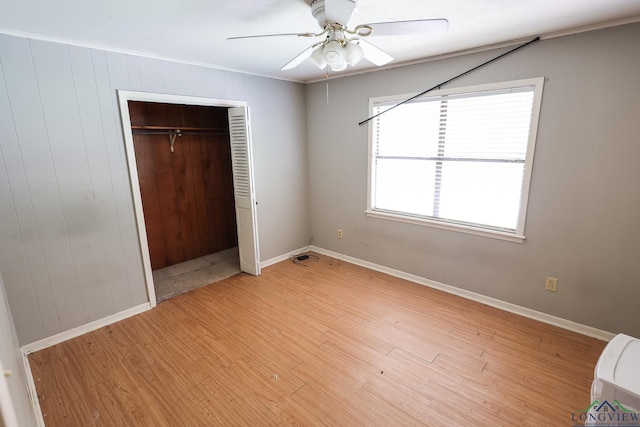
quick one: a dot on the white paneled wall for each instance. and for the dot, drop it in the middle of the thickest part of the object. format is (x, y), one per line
(69, 249)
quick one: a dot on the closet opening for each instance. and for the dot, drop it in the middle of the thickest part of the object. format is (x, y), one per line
(182, 160)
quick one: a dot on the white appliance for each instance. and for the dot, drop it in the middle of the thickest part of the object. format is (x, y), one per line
(615, 391)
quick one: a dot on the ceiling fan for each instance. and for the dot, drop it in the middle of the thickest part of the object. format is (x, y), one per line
(344, 45)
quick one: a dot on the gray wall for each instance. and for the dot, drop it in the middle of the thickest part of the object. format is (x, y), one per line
(584, 205)
(69, 250)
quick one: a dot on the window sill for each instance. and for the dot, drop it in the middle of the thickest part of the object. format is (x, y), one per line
(459, 228)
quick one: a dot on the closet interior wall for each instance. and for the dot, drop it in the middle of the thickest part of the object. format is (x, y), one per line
(187, 186)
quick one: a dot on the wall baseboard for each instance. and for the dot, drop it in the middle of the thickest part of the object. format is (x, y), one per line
(483, 299)
(284, 257)
(83, 329)
(31, 391)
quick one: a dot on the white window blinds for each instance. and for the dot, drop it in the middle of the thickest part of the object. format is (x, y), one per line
(457, 157)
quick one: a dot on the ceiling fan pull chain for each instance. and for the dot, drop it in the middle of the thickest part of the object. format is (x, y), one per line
(326, 76)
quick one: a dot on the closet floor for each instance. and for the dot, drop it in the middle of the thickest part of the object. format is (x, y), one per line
(186, 276)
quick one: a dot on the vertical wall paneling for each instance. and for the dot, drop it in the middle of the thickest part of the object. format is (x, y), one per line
(14, 254)
(118, 78)
(16, 213)
(202, 79)
(228, 83)
(133, 72)
(151, 77)
(110, 204)
(115, 279)
(62, 119)
(218, 84)
(50, 228)
(167, 77)
(182, 79)
(92, 116)
(234, 84)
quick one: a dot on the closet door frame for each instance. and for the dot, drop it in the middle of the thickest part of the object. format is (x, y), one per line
(124, 96)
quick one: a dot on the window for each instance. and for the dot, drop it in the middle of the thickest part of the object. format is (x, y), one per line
(457, 159)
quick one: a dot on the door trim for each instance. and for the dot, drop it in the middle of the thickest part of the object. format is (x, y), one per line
(124, 96)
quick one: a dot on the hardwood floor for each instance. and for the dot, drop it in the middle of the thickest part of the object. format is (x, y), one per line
(328, 344)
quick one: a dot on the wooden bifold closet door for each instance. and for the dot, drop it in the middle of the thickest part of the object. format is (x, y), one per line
(187, 194)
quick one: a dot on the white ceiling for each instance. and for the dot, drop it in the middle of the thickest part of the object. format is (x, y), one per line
(196, 31)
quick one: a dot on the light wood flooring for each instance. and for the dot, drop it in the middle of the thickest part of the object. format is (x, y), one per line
(328, 344)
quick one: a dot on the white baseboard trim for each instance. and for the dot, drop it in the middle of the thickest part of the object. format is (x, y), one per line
(31, 391)
(284, 257)
(483, 299)
(83, 329)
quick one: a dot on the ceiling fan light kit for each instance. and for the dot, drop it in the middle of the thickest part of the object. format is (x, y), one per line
(353, 53)
(343, 46)
(337, 52)
(333, 53)
(317, 58)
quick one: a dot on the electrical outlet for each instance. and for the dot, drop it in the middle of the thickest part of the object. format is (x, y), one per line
(551, 284)
(339, 233)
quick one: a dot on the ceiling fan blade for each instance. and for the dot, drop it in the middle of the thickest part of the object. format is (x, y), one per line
(272, 35)
(417, 27)
(300, 58)
(374, 54)
(339, 11)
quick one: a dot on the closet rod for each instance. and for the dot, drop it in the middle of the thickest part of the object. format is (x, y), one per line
(173, 133)
(177, 132)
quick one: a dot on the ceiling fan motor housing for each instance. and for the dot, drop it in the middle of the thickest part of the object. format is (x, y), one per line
(317, 10)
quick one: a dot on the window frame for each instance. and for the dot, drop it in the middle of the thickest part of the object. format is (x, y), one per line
(445, 224)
